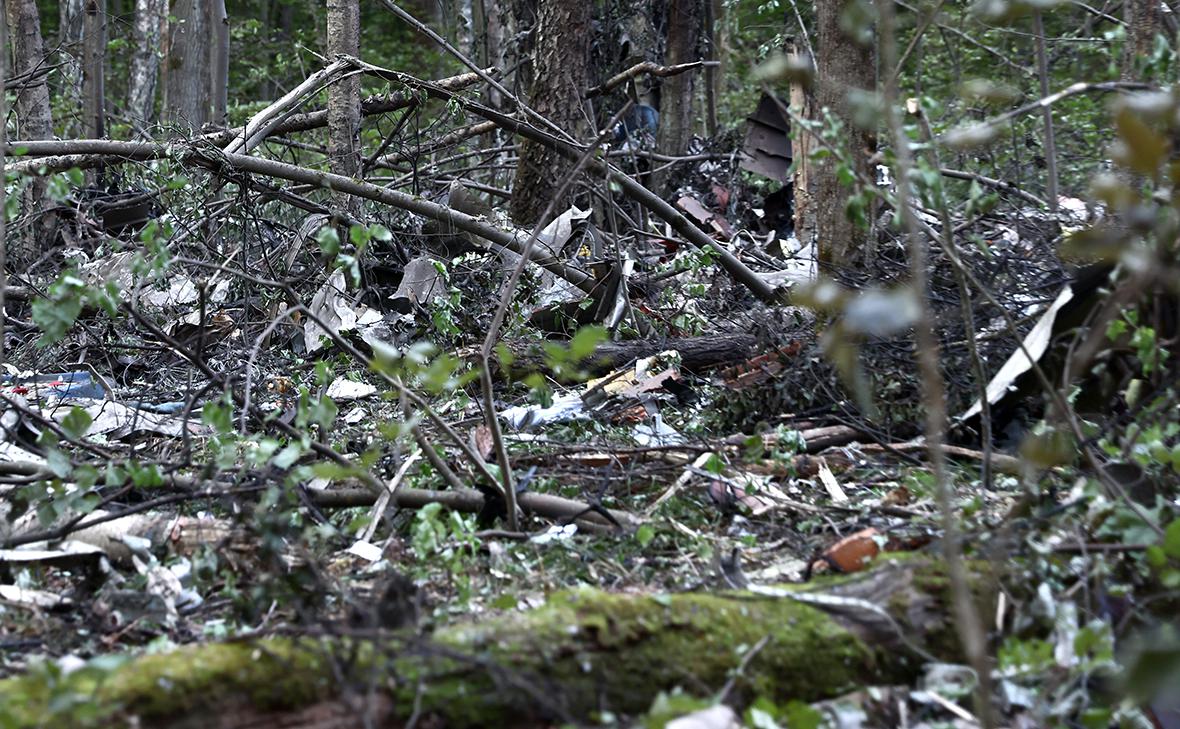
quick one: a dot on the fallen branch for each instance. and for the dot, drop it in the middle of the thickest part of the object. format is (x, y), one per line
(471, 501)
(222, 163)
(369, 107)
(646, 67)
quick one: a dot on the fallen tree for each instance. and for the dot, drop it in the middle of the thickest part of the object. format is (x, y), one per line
(583, 652)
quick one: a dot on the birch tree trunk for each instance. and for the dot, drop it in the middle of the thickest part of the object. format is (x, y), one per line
(344, 97)
(150, 20)
(186, 87)
(69, 43)
(219, 83)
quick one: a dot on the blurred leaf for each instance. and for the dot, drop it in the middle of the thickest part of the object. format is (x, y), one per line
(1141, 148)
(76, 423)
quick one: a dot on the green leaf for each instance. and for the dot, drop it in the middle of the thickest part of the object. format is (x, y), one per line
(58, 462)
(76, 423)
(1172, 540)
(584, 342)
(287, 456)
(329, 240)
(645, 534)
(801, 716)
(55, 317)
(505, 601)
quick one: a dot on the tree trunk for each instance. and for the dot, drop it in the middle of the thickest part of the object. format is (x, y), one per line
(842, 65)
(150, 19)
(583, 653)
(344, 97)
(69, 41)
(802, 103)
(520, 38)
(678, 103)
(28, 50)
(34, 121)
(492, 16)
(186, 87)
(560, 73)
(94, 45)
(3, 188)
(1142, 19)
(219, 67)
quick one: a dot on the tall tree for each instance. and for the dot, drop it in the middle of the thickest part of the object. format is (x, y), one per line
(186, 86)
(344, 97)
(28, 51)
(219, 65)
(150, 21)
(1142, 20)
(678, 107)
(94, 44)
(32, 98)
(3, 190)
(844, 64)
(560, 72)
(69, 44)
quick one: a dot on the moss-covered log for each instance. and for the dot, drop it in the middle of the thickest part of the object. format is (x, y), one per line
(585, 651)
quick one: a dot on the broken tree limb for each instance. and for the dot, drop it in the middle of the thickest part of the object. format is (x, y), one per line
(696, 353)
(369, 107)
(472, 501)
(583, 652)
(646, 67)
(220, 162)
(262, 123)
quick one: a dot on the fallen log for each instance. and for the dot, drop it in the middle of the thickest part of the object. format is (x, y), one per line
(697, 354)
(582, 653)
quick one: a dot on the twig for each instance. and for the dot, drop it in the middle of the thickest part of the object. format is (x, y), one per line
(993, 183)
(1044, 102)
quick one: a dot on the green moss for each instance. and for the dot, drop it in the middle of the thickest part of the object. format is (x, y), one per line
(584, 651)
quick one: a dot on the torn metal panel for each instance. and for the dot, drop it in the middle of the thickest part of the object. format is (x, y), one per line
(767, 150)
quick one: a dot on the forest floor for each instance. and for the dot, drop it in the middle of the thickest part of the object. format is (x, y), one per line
(170, 479)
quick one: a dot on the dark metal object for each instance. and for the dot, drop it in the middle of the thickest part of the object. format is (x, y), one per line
(767, 150)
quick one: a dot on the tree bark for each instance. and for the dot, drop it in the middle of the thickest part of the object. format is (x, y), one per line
(842, 64)
(94, 44)
(34, 120)
(584, 652)
(697, 354)
(344, 96)
(679, 109)
(3, 189)
(186, 87)
(560, 73)
(802, 103)
(1142, 18)
(219, 67)
(69, 41)
(150, 20)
